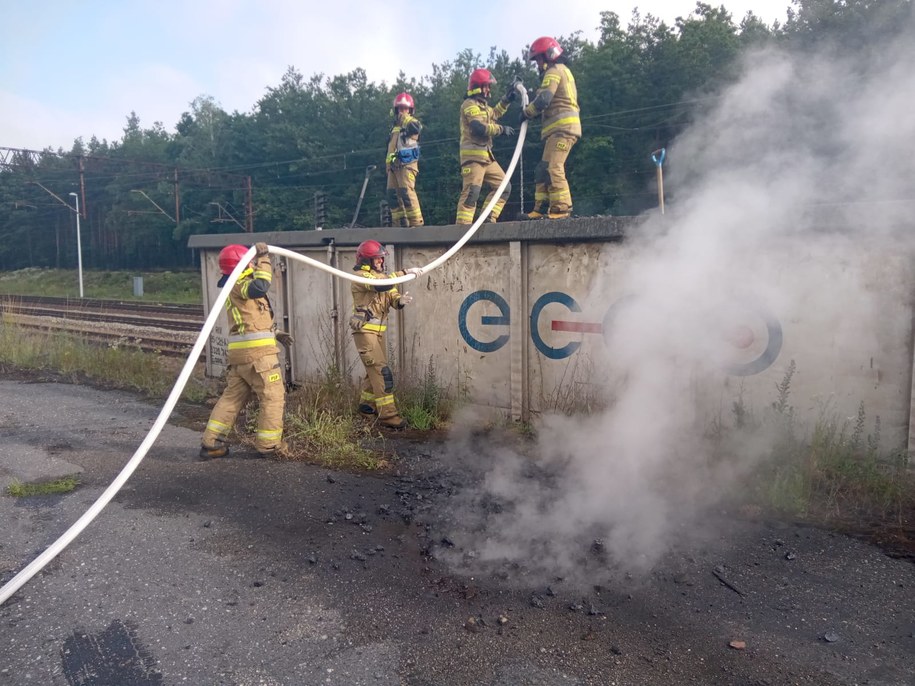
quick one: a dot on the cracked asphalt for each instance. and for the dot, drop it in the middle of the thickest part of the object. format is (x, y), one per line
(255, 572)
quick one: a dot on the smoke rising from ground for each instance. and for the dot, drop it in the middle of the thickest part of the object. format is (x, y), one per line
(788, 194)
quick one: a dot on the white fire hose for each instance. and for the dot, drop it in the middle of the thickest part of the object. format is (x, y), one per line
(14, 584)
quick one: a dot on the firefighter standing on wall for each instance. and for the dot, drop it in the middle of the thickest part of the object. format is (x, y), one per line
(253, 358)
(478, 165)
(402, 163)
(371, 305)
(556, 101)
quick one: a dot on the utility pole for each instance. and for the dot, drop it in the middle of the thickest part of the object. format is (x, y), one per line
(249, 207)
(79, 246)
(320, 210)
(177, 199)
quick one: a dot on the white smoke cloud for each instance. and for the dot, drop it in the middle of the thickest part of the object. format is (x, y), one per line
(792, 193)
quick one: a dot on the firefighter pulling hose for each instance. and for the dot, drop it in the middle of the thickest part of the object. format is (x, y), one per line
(30, 570)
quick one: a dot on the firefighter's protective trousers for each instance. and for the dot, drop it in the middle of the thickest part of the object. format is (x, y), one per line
(262, 378)
(378, 384)
(552, 189)
(401, 194)
(474, 176)
(253, 362)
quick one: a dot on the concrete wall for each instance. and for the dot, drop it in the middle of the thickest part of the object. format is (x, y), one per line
(521, 321)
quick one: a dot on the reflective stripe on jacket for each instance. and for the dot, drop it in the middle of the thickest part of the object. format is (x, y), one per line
(561, 115)
(251, 340)
(478, 147)
(371, 304)
(400, 121)
(251, 325)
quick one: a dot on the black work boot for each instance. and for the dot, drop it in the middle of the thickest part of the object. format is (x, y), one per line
(209, 453)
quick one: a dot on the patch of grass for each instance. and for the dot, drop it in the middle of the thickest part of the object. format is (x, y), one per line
(427, 406)
(576, 393)
(837, 470)
(73, 357)
(65, 484)
(165, 286)
(331, 440)
(321, 426)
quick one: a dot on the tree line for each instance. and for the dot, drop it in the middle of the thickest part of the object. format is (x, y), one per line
(639, 86)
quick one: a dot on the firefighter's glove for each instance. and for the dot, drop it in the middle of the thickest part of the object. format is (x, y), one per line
(418, 271)
(508, 131)
(284, 339)
(406, 299)
(261, 249)
(510, 94)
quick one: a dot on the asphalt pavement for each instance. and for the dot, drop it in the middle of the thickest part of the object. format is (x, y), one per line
(246, 571)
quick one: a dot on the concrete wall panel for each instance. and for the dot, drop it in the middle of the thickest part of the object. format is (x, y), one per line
(460, 319)
(524, 322)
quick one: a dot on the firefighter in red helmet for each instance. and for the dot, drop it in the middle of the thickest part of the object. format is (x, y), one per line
(478, 164)
(402, 163)
(253, 363)
(371, 305)
(556, 102)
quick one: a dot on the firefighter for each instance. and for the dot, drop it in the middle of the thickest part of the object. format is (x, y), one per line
(556, 102)
(478, 164)
(371, 305)
(402, 163)
(253, 364)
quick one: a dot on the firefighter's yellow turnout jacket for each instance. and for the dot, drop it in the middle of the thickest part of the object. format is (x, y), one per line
(402, 165)
(556, 101)
(253, 362)
(478, 165)
(371, 305)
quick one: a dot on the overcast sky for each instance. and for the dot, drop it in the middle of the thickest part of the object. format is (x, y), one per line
(71, 69)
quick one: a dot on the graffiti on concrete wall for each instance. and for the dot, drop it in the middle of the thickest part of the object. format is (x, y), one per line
(762, 332)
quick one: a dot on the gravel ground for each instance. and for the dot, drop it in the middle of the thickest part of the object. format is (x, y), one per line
(245, 571)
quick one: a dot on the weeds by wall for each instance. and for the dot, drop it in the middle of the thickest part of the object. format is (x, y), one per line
(836, 468)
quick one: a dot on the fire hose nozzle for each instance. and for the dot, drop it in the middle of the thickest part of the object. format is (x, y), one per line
(522, 91)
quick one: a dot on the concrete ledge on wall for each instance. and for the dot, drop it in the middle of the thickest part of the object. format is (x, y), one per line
(545, 231)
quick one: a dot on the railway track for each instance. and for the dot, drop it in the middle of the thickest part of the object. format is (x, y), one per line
(163, 329)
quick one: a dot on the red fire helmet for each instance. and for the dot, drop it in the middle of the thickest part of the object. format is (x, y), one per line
(478, 79)
(546, 47)
(369, 250)
(404, 100)
(229, 257)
